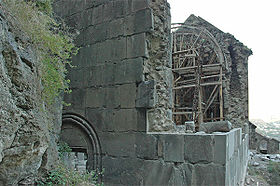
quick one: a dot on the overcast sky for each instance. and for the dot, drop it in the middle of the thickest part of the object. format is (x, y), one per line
(256, 23)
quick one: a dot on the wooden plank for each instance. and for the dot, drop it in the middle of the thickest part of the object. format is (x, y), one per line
(194, 85)
(184, 108)
(211, 76)
(181, 113)
(217, 118)
(221, 95)
(184, 51)
(210, 101)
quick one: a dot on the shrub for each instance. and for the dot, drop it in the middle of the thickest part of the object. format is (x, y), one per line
(274, 170)
(63, 148)
(53, 44)
(65, 176)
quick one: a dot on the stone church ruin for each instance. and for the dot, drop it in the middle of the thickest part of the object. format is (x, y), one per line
(152, 103)
(139, 81)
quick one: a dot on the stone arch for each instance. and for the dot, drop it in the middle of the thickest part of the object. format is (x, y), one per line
(81, 136)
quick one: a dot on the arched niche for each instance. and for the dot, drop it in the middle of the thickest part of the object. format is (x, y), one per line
(81, 137)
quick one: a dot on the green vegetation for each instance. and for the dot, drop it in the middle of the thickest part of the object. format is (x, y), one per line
(62, 175)
(51, 40)
(65, 176)
(274, 170)
(63, 148)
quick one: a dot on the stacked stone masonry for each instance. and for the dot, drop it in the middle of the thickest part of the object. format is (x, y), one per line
(261, 143)
(122, 88)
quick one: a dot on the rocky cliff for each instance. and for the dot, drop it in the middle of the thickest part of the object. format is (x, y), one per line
(27, 137)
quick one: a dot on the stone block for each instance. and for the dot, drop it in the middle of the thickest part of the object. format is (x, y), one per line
(76, 98)
(199, 148)
(97, 15)
(122, 171)
(109, 74)
(97, 117)
(104, 52)
(76, 75)
(120, 120)
(146, 146)
(65, 8)
(176, 177)
(156, 172)
(221, 149)
(85, 57)
(139, 5)
(141, 120)
(146, 95)
(95, 97)
(116, 28)
(143, 21)
(182, 175)
(138, 22)
(238, 139)
(118, 144)
(173, 147)
(107, 13)
(112, 97)
(127, 95)
(75, 21)
(129, 25)
(136, 46)
(209, 174)
(97, 33)
(231, 143)
(95, 76)
(129, 71)
(121, 8)
(118, 49)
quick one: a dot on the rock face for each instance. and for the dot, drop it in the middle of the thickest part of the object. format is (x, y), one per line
(24, 121)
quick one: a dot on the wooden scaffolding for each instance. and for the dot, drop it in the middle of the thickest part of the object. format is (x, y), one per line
(198, 76)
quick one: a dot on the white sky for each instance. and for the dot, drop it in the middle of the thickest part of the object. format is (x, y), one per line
(256, 23)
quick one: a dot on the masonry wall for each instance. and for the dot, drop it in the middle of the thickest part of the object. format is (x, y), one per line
(121, 86)
(113, 87)
(272, 145)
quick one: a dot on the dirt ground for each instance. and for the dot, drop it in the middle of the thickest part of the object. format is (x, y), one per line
(258, 173)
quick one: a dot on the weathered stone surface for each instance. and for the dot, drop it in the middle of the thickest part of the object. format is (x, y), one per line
(209, 174)
(136, 46)
(218, 126)
(126, 168)
(220, 149)
(182, 175)
(146, 97)
(24, 121)
(157, 67)
(156, 172)
(173, 146)
(146, 146)
(76, 98)
(127, 95)
(118, 144)
(121, 120)
(199, 148)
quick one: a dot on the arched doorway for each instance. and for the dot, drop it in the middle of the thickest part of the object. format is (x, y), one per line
(81, 137)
